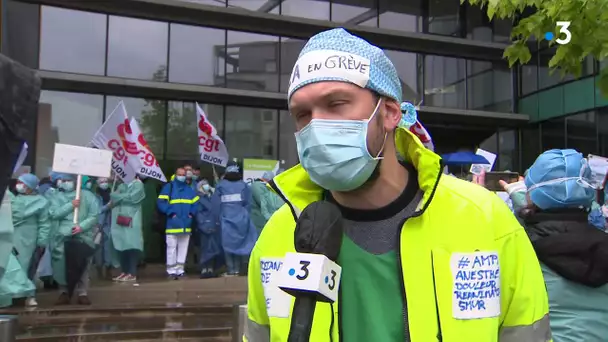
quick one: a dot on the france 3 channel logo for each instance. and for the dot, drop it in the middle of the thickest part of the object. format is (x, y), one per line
(564, 36)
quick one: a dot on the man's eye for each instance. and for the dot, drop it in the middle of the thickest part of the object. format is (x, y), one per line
(337, 103)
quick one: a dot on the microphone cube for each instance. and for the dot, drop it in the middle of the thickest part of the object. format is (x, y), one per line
(312, 274)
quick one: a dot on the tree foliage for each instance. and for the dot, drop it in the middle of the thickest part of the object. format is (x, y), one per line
(589, 28)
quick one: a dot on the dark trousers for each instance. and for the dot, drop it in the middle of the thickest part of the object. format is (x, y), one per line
(128, 261)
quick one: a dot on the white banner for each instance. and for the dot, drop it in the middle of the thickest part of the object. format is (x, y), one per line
(210, 146)
(149, 165)
(111, 136)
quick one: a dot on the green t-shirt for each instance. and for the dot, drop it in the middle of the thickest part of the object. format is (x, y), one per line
(371, 302)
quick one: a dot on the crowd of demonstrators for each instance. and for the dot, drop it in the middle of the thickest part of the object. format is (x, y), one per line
(42, 214)
(222, 217)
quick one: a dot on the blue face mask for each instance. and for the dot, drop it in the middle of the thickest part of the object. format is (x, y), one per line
(68, 186)
(334, 152)
(104, 186)
(206, 187)
(180, 178)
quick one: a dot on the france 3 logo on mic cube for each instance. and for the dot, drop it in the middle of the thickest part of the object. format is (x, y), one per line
(311, 273)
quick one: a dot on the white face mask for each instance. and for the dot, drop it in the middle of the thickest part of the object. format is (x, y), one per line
(21, 188)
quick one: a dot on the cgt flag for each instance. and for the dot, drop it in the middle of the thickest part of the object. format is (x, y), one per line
(149, 165)
(210, 146)
(418, 130)
(111, 136)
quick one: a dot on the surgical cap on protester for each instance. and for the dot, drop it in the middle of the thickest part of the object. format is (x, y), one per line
(30, 180)
(559, 180)
(65, 177)
(268, 175)
(53, 176)
(337, 55)
(234, 168)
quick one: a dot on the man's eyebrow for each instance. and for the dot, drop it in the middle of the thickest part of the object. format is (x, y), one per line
(334, 94)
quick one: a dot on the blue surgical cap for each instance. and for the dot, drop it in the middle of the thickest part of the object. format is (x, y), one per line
(268, 175)
(337, 55)
(30, 180)
(553, 165)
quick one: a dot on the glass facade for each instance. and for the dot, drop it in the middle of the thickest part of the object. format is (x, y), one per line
(142, 49)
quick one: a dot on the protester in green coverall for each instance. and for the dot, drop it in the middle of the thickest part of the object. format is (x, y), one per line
(31, 221)
(265, 201)
(62, 210)
(14, 282)
(127, 230)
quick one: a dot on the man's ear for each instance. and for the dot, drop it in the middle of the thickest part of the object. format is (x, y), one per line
(392, 114)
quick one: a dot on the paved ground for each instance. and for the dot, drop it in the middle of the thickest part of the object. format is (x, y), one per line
(154, 289)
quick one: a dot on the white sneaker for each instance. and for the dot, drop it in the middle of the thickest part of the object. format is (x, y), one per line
(119, 278)
(128, 279)
(31, 302)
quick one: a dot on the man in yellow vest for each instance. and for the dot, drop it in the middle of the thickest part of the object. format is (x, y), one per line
(424, 257)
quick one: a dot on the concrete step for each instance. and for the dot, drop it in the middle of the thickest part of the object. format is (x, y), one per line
(200, 334)
(128, 324)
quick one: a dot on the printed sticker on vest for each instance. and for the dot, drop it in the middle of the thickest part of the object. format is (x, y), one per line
(330, 64)
(278, 303)
(476, 287)
(231, 198)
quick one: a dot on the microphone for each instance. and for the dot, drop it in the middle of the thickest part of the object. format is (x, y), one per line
(311, 274)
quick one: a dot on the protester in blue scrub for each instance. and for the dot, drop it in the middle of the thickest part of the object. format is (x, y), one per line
(559, 194)
(238, 232)
(127, 228)
(208, 231)
(45, 269)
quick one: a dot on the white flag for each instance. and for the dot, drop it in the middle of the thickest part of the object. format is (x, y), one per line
(148, 164)
(112, 136)
(22, 156)
(210, 146)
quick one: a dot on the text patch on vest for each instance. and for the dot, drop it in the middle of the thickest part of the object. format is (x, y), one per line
(476, 285)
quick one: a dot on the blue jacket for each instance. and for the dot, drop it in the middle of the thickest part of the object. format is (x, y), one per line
(179, 202)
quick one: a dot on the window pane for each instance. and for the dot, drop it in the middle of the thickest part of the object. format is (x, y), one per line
(401, 15)
(137, 49)
(603, 128)
(67, 118)
(502, 30)
(479, 26)
(251, 132)
(251, 61)
(20, 26)
(409, 71)
(582, 133)
(530, 136)
(528, 77)
(311, 9)
(444, 17)
(182, 130)
(489, 86)
(553, 134)
(290, 50)
(72, 41)
(262, 6)
(151, 116)
(355, 12)
(194, 55)
(288, 150)
(508, 150)
(444, 82)
(490, 144)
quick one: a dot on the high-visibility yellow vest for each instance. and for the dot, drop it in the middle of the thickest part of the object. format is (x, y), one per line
(454, 216)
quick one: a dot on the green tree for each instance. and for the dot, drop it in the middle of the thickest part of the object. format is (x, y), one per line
(588, 26)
